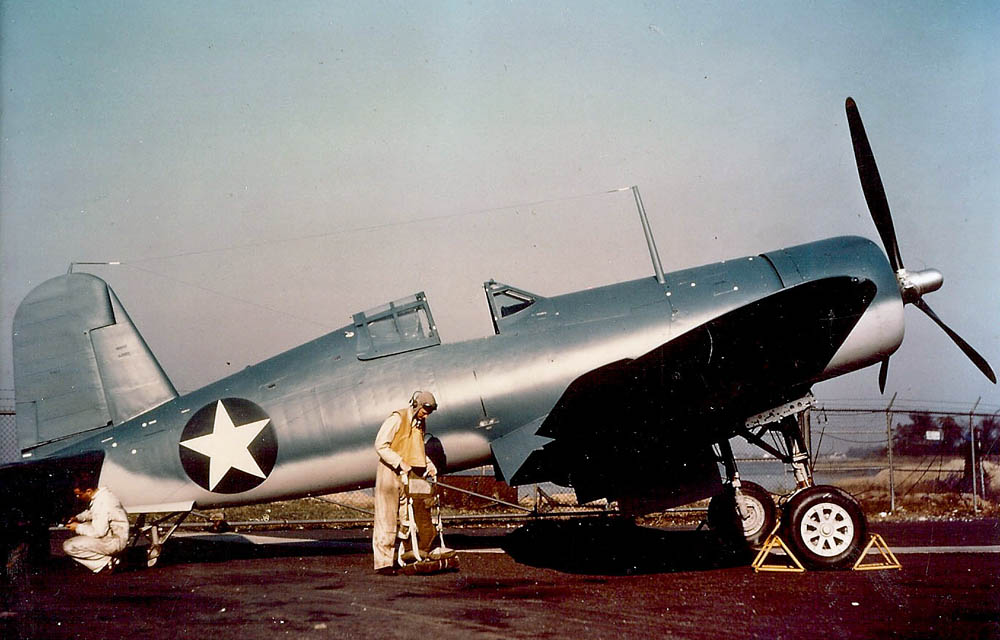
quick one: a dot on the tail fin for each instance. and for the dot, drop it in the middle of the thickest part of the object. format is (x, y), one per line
(79, 362)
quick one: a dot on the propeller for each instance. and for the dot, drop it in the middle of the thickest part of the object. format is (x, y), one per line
(871, 185)
(883, 374)
(912, 284)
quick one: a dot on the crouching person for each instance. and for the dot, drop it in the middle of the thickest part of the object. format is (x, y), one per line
(101, 531)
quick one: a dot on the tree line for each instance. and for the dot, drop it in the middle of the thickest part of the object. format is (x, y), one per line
(926, 434)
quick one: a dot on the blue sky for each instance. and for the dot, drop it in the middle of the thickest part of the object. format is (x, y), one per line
(265, 170)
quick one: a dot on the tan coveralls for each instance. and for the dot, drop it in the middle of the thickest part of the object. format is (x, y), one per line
(102, 532)
(400, 439)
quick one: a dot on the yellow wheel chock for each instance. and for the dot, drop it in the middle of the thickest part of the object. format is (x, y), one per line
(889, 560)
(793, 566)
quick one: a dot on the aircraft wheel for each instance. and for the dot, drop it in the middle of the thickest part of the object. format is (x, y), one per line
(825, 527)
(758, 508)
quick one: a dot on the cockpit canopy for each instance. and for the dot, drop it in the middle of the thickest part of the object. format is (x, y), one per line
(397, 327)
(512, 307)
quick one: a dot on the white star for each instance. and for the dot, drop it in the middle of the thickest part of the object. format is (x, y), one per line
(228, 446)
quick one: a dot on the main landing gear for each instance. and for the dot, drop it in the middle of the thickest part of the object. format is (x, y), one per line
(823, 525)
(159, 531)
(744, 510)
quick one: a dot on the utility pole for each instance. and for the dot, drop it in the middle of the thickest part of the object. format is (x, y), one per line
(972, 443)
(888, 436)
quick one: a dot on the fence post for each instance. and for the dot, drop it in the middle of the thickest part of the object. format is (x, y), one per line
(888, 437)
(972, 443)
(982, 459)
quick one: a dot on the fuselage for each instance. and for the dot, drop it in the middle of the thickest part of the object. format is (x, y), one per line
(325, 404)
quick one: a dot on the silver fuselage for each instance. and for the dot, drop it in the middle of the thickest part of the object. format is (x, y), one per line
(326, 404)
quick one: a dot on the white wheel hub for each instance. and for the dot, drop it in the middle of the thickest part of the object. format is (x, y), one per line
(753, 515)
(827, 529)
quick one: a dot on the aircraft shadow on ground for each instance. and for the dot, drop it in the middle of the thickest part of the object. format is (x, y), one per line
(224, 548)
(619, 547)
(605, 546)
(188, 550)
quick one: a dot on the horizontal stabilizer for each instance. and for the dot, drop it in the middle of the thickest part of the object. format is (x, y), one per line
(40, 493)
(162, 507)
(79, 362)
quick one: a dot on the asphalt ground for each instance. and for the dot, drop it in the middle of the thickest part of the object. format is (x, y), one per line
(584, 579)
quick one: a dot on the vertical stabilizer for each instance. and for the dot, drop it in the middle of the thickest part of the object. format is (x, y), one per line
(79, 362)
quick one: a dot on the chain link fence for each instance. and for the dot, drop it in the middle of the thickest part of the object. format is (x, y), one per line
(910, 458)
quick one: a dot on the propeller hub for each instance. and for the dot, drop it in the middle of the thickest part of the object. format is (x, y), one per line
(914, 284)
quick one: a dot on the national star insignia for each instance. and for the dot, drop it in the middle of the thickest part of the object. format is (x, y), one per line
(228, 446)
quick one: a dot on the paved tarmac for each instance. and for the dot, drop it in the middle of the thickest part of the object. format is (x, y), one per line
(584, 579)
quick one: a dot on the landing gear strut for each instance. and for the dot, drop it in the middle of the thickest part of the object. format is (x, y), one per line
(823, 525)
(744, 510)
(750, 514)
(157, 538)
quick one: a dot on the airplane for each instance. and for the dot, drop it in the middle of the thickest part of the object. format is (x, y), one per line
(629, 392)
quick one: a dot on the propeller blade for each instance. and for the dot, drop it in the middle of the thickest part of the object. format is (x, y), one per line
(883, 373)
(871, 185)
(972, 354)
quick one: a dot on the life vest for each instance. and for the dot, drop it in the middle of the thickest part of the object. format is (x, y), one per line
(409, 440)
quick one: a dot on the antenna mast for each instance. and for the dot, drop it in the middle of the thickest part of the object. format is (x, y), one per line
(654, 256)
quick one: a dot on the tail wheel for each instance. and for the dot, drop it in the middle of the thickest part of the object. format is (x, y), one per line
(153, 554)
(825, 527)
(759, 513)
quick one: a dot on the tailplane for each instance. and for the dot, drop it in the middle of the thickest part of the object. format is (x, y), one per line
(79, 362)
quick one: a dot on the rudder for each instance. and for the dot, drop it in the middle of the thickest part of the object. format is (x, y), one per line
(79, 362)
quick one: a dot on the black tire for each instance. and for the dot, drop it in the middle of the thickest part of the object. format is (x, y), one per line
(825, 527)
(758, 505)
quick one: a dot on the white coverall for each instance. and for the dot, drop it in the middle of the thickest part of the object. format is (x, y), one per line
(102, 532)
(390, 505)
